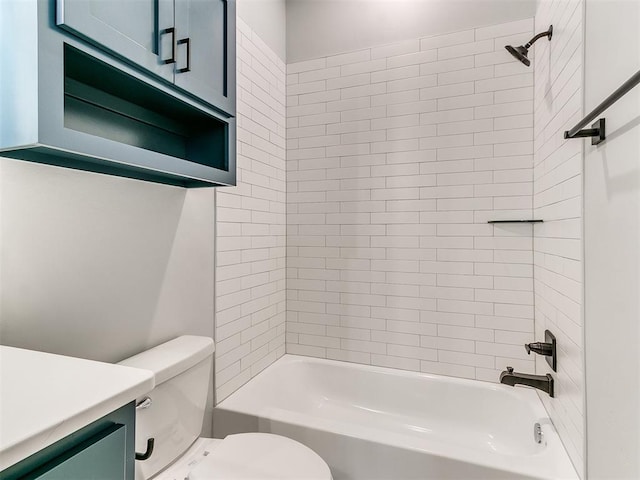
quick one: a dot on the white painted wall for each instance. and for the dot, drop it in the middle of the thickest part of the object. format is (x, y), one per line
(267, 18)
(612, 241)
(318, 28)
(101, 267)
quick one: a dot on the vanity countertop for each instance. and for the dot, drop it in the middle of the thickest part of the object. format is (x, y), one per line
(45, 397)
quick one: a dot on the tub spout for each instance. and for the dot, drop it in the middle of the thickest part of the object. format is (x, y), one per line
(541, 382)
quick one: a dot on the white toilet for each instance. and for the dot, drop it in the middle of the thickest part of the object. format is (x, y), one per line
(173, 412)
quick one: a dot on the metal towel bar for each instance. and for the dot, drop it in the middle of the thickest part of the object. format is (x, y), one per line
(597, 130)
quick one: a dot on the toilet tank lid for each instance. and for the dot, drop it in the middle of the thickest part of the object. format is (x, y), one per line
(173, 357)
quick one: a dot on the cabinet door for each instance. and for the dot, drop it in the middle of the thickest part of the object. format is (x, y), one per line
(138, 31)
(100, 457)
(205, 46)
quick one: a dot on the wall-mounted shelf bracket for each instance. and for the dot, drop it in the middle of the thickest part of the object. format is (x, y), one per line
(596, 132)
(515, 221)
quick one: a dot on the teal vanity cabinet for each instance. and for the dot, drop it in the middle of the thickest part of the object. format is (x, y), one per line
(103, 450)
(140, 89)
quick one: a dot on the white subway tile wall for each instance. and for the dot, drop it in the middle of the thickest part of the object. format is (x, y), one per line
(251, 224)
(557, 198)
(397, 156)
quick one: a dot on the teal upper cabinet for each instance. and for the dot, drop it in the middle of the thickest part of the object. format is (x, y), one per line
(136, 88)
(202, 63)
(186, 42)
(139, 31)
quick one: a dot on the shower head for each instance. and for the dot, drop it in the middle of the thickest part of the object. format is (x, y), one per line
(521, 52)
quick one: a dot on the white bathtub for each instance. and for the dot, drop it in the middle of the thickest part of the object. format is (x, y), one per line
(379, 423)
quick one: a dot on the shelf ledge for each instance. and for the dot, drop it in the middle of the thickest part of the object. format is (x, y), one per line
(515, 221)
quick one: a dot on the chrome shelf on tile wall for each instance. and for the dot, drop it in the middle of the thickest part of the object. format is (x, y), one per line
(515, 221)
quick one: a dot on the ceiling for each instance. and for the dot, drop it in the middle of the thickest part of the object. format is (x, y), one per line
(316, 28)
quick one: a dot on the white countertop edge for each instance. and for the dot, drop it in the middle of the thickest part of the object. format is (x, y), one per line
(27, 447)
(16, 445)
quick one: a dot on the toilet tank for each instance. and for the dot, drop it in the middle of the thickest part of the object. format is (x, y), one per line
(174, 416)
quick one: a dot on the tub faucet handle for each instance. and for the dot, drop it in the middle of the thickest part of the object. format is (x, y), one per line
(510, 370)
(540, 348)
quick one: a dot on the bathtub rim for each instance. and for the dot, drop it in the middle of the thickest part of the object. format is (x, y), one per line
(516, 464)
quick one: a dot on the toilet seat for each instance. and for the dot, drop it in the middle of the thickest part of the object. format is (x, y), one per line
(284, 459)
(261, 456)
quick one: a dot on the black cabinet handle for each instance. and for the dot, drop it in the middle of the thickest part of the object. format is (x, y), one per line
(187, 42)
(172, 31)
(147, 454)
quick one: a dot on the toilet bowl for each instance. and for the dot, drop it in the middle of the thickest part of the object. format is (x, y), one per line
(172, 415)
(273, 457)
